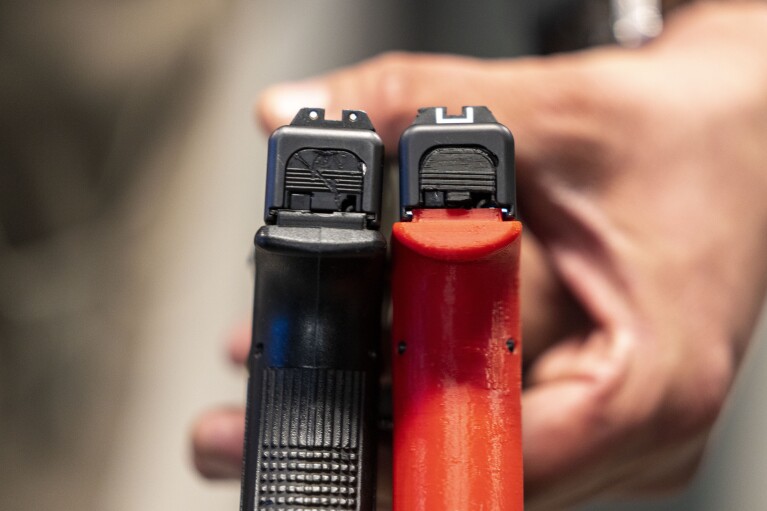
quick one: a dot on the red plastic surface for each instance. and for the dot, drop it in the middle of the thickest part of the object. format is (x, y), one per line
(457, 424)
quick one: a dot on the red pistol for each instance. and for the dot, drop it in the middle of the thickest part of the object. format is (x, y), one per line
(456, 329)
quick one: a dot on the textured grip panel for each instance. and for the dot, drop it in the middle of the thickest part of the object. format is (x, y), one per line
(310, 441)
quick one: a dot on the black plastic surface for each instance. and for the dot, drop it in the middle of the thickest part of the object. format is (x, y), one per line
(483, 135)
(313, 446)
(311, 417)
(322, 165)
(316, 319)
(457, 177)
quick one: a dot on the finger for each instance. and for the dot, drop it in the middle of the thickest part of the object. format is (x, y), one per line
(217, 439)
(238, 343)
(549, 311)
(391, 88)
(588, 413)
(626, 461)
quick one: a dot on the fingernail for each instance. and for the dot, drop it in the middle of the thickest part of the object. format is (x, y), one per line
(280, 103)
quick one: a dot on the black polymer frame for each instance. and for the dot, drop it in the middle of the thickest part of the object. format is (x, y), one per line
(310, 436)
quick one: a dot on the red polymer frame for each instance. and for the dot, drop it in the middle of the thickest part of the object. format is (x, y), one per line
(457, 362)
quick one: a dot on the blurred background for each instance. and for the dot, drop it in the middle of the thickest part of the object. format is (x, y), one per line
(131, 184)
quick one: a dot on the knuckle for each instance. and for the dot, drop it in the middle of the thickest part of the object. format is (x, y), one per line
(578, 111)
(393, 61)
(393, 77)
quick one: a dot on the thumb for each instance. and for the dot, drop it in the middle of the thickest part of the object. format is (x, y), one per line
(391, 88)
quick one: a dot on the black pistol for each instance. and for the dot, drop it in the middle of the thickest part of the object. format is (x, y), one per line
(311, 408)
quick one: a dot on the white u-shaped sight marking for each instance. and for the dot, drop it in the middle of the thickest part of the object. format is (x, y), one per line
(468, 117)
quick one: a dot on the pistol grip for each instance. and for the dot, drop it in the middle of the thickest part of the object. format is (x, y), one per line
(457, 362)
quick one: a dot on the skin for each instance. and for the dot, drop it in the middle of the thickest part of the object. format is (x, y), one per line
(642, 183)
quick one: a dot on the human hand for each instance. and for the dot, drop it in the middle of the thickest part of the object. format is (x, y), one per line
(641, 182)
